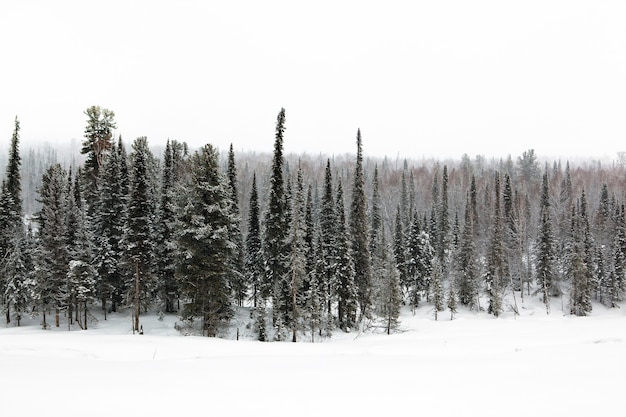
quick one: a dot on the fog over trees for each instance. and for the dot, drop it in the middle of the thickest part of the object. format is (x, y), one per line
(312, 244)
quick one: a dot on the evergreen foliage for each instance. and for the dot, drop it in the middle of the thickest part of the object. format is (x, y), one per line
(359, 234)
(203, 240)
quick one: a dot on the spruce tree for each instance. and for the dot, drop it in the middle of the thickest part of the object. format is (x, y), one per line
(545, 248)
(437, 289)
(238, 281)
(275, 231)
(139, 232)
(359, 234)
(253, 262)
(399, 249)
(346, 290)
(580, 289)
(11, 223)
(17, 269)
(97, 145)
(328, 241)
(165, 230)
(109, 219)
(52, 252)
(298, 252)
(496, 265)
(467, 278)
(203, 240)
(376, 215)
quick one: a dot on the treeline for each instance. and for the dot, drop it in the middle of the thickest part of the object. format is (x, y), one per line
(312, 245)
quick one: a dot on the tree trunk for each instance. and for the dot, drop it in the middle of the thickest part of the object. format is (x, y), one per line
(85, 312)
(57, 317)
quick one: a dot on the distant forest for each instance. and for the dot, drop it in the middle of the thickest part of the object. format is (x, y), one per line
(311, 244)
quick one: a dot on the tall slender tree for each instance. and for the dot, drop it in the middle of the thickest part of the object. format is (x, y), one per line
(359, 233)
(238, 281)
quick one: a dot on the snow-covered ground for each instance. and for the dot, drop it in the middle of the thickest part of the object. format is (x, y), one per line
(475, 365)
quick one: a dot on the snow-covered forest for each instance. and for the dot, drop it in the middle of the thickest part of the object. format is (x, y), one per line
(313, 247)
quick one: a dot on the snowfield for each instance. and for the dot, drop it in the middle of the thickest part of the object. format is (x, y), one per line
(475, 365)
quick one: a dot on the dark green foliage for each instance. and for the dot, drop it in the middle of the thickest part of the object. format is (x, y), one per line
(238, 280)
(345, 287)
(359, 234)
(253, 262)
(466, 266)
(545, 248)
(276, 226)
(138, 240)
(108, 221)
(52, 252)
(97, 145)
(496, 264)
(203, 240)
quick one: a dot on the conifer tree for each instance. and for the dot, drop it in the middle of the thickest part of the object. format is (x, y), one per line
(139, 231)
(580, 289)
(275, 231)
(97, 145)
(438, 296)
(17, 269)
(467, 278)
(452, 304)
(328, 241)
(109, 220)
(545, 247)
(444, 220)
(52, 251)
(496, 264)
(344, 279)
(11, 224)
(376, 215)
(203, 240)
(399, 249)
(389, 293)
(165, 239)
(253, 263)
(359, 234)
(238, 281)
(298, 252)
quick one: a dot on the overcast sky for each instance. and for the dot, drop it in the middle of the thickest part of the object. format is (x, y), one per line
(420, 78)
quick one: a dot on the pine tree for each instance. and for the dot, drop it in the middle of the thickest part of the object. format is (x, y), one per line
(452, 304)
(139, 231)
(109, 219)
(496, 264)
(253, 262)
(328, 242)
(444, 221)
(97, 145)
(376, 216)
(615, 288)
(52, 251)
(298, 252)
(545, 247)
(238, 281)
(203, 240)
(580, 290)
(165, 239)
(438, 296)
(17, 269)
(399, 249)
(359, 234)
(388, 291)
(346, 290)
(275, 231)
(11, 224)
(467, 279)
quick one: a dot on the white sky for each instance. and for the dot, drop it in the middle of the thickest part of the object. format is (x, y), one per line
(420, 78)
